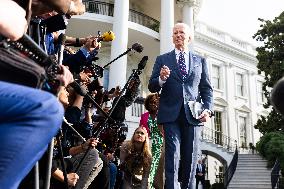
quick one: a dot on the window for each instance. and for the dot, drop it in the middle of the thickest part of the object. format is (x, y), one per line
(243, 134)
(216, 77)
(239, 84)
(218, 127)
(260, 94)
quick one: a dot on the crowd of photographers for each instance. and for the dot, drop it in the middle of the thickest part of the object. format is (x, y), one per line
(85, 153)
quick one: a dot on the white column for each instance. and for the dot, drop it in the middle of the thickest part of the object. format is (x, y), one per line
(117, 74)
(230, 97)
(187, 17)
(167, 24)
(252, 94)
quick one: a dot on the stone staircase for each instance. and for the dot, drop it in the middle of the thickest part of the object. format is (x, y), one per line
(251, 173)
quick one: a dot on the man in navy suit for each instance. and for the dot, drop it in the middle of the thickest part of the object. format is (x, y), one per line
(200, 174)
(181, 76)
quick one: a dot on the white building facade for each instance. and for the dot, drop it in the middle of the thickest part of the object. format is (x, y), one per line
(238, 96)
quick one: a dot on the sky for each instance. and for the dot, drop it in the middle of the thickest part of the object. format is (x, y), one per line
(239, 17)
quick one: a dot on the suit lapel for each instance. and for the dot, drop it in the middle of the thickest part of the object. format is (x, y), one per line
(191, 64)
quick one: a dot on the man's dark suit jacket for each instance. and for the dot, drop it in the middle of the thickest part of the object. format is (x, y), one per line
(175, 93)
(198, 171)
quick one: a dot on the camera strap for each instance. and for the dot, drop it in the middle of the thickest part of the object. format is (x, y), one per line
(17, 68)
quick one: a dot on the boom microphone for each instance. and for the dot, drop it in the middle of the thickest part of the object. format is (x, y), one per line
(137, 47)
(277, 95)
(142, 63)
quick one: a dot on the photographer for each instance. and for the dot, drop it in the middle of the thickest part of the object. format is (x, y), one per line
(72, 144)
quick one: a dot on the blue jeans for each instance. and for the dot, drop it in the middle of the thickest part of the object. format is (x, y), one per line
(29, 118)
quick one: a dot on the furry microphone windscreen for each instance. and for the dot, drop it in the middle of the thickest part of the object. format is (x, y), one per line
(277, 96)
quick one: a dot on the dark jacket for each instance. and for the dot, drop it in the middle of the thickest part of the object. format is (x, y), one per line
(198, 171)
(175, 93)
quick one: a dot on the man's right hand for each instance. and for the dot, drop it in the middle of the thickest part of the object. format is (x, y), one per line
(93, 142)
(165, 73)
(91, 43)
(72, 179)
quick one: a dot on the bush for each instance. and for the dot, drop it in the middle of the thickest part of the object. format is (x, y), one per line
(281, 183)
(271, 147)
(217, 186)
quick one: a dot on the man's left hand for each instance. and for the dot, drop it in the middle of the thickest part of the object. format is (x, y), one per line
(204, 116)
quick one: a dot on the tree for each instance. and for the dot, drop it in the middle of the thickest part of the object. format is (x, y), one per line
(271, 63)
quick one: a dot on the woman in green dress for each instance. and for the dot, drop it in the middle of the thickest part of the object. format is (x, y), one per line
(149, 121)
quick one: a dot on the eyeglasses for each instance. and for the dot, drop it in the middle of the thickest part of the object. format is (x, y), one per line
(139, 132)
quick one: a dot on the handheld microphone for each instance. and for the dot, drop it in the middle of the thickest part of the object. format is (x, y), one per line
(107, 36)
(61, 42)
(277, 95)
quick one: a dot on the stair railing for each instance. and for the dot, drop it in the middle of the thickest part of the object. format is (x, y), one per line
(231, 169)
(218, 138)
(275, 175)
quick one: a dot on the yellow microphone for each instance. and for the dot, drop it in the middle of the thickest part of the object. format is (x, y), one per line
(107, 36)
